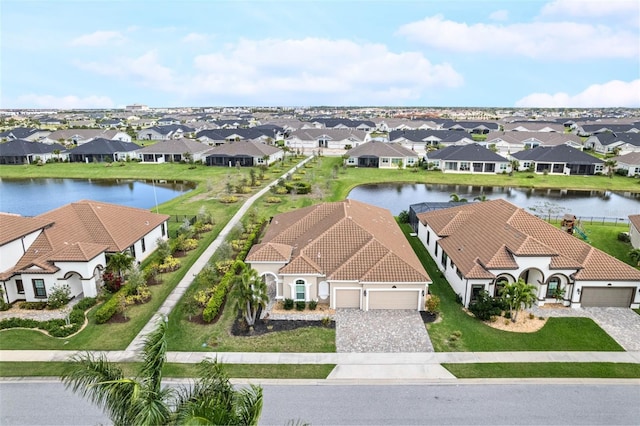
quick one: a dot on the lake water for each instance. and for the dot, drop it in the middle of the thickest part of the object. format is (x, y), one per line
(398, 197)
(30, 197)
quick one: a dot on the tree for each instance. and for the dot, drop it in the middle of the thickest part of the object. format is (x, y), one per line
(518, 295)
(611, 167)
(481, 197)
(249, 294)
(455, 198)
(120, 263)
(142, 400)
(635, 255)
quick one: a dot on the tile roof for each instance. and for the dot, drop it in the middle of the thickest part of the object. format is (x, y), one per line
(489, 235)
(13, 227)
(175, 146)
(381, 149)
(243, 147)
(635, 220)
(345, 240)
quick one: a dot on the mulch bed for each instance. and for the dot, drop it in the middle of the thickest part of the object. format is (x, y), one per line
(118, 318)
(428, 317)
(240, 328)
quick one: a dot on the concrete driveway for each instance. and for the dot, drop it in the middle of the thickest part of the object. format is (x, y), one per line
(381, 331)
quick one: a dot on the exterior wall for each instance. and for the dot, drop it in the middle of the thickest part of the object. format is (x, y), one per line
(579, 285)
(421, 289)
(149, 242)
(347, 285)
(311, 284)
(11, 290)
(303, 144)
(11, 252)
(634, 235)
(269, 271)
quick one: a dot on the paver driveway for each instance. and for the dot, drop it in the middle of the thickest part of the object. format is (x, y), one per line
(381, 331)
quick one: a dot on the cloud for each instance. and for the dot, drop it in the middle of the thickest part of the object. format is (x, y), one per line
(289, 71)
(99, 38)
(591, 8)
(540, 40)
(499, 15)
(63, 102)
(614, 93)
(195, 38)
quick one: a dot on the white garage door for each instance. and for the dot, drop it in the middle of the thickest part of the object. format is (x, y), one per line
(346, 298)
(393, 299)
(607, 296)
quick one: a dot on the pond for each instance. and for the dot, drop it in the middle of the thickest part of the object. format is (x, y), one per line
(31, 197)
(584, 204)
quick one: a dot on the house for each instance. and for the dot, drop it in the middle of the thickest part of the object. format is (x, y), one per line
(339, 123)
(347, 254)
(221, 136)
(99, 150)
(382, 155)
(482, 246)
(243, 153)
(534, 126)
(476, 127)
(110, 123)
(423, 139)
(24, 133)
(608, 142)
(472, 158)
(168, 121)
(392, 124)
(82, 136)
(506, 143)
(628, 162)
(594, 129)
(20, 151)
(561, 159)
(634, 230)
(173, 151)
(160, 133)
(70, 245)
(326, 138)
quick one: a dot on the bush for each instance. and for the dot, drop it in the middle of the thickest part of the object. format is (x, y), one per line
(288, 304)
(624, 237)
(32, 306)
(432, 304)
(111, 306)
(300, 305)
(403, 217)
(485, 306)
(313, 305)
(170, 264)
(59, 296)
(229, 199)
(272, 200)
(298, 187)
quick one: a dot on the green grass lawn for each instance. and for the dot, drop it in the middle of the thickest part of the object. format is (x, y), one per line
(173, 370)
(609, 370)
(558, 334)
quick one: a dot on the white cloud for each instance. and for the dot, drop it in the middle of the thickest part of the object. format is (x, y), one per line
(591, 8)
(614, 93)
(546, 40)
(499, 15)
(63, 102)
(99, 38)
(195, 38)
(288, 70)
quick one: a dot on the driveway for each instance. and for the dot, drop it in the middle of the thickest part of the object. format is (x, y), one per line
(622, 324)
(381, 331)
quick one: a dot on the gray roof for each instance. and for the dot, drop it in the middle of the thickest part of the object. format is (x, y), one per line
(380, 149)
(20, 148)
(103, 146)
(245, 148)
(557, 154)
(470, 152)
(175, 146)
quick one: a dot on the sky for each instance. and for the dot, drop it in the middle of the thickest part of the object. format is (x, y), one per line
(198, 53)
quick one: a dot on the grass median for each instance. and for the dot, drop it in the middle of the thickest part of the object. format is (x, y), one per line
(604, 370)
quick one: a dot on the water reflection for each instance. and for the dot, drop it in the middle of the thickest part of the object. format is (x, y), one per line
(582, 203)
(30, 197)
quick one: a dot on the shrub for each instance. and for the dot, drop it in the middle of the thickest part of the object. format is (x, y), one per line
(485, 306)
(624, 237)
(298, 187)
(219, 293)
(32, 306)
(112, 306)
(313, 305)
(326, 321)
(170, 264)
(190, 244)
(59, 296)
(432, 304)
(202, 297)
(273, 200)
(229, 199)
(288, 304)
(300, 305)
(403, 216)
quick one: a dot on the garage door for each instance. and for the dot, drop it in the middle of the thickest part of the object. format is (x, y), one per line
(347, 298)
(393, 299)
(607, 296)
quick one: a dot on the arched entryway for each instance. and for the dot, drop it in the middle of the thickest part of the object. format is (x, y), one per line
(500, 281)
(534, 276)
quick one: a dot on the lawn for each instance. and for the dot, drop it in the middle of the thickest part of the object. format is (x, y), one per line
(459, 331)
(608, 370)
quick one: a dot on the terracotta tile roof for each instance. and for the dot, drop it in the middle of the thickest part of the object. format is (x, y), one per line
(13, 227)
(345, 240)
(635, 219)
(269, 252)
(488, 235)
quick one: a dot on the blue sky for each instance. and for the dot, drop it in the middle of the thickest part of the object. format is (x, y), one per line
(107, 54)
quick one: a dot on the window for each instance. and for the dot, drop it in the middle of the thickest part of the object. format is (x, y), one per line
(554, 283)
(411, 160)
(500, 283)
(444, 259)
(162, 229)
(39, 290)
(599, 168)
(300, 290)
(385, 161)
(451, 165)
(144, 246)
(464, 166)
(351, 160)
(20, 286)
(475, 291)
(132, 249)
(428, 235)
(503, 166)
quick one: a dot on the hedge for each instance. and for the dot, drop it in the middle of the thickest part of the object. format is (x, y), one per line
(220, 292)
(55, 327)
(110, 307)
(299, 187)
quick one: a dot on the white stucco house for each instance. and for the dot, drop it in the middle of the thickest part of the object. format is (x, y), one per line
(70, 245)
(481, 246)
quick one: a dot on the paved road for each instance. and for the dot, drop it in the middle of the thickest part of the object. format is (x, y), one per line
(28, 402)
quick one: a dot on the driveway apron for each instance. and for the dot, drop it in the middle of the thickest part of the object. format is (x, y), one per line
(381, 331)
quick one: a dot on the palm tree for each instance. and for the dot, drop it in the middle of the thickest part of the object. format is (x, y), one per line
(635, 255)
(455, 198)
(120, 263)
(249, 294)
(481, 197)
(518, 295)
(143, 401)
(611, 167)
